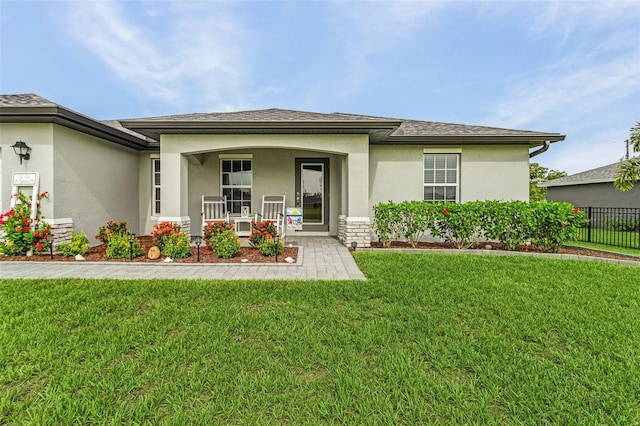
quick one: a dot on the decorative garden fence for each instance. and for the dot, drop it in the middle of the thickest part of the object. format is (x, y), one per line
(614, 226)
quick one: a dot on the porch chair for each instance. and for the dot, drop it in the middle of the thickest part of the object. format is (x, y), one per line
(273, 209)
(214, 209)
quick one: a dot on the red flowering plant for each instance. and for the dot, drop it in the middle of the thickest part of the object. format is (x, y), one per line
(111, 228)
(19, 234)
(261, 231)
(162, 231)
(212, 229)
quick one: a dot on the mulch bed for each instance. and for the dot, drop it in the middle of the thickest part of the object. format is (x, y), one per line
(497, 246)
(98, 254)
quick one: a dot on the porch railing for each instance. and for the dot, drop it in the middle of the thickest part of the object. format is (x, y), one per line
(613, 226)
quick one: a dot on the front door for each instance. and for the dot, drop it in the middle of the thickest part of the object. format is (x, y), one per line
(312, 192)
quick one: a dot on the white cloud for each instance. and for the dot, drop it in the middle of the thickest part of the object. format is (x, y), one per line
(188, 54)
(572, 94)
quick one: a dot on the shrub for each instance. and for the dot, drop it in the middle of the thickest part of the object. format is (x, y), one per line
(268, 247)
(387, 222)
(555, 224)
(78, 246)
(460, 223)
(119, 247)
(226, 244)
(111, 228)
(161, 231)
(261, 231)
(509, 222)
(214, 228)
(416, 219)
(545, 224)
(20, 234)
(176, 246)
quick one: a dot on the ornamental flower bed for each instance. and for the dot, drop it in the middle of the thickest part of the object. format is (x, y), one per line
(98, 254)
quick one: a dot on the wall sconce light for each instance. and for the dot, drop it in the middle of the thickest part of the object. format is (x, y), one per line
(22, 150)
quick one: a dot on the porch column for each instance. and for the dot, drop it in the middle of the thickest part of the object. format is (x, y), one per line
(356, 224)
(174, 187)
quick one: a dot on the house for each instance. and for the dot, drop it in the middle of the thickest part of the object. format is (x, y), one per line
(592, 188)
(337, 165)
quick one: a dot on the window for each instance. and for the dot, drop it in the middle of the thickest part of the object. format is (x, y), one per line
(441, 177)
(236, 181)
(155, 186)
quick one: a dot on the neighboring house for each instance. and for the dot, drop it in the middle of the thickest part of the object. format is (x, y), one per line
(592, 188)
(337, 165)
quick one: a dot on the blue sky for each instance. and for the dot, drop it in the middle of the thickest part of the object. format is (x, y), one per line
(567, 67)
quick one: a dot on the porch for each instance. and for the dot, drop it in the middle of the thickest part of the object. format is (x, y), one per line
(327, 178)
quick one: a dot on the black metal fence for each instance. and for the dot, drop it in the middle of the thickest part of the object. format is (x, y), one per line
(614, 226)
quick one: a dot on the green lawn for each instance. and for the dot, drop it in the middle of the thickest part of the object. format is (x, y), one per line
(605, 247)
(612, 238)
(428, 338)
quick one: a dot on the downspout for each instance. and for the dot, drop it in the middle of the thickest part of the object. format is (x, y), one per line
(545, 146)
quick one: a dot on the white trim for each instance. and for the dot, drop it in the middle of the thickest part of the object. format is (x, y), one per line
(58, 221)
(455, 185)
(180, 219)
(154, 156)
(358, 219)
(234, 156)
(443, 150)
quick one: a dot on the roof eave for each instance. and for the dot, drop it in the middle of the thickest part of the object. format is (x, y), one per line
(532, 140)
(59, 115)
(551, 184)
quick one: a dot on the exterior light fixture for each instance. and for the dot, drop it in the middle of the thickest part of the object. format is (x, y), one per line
(276, 242)
(22, 150)
(197, 239)
(354, 245)
(132, 238)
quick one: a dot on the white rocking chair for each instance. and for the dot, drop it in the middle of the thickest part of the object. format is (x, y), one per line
(273, 209)
(214, 209)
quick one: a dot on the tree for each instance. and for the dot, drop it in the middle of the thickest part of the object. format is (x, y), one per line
(628, 172)
(539, 174)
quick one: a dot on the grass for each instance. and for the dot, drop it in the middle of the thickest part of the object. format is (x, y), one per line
(606, 247)
(612, 238)
(429, 338)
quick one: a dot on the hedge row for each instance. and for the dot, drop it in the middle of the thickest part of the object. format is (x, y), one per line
(547, 225)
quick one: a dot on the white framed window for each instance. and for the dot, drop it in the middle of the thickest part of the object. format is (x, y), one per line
(441, 177)
(155, 186)
(236, 182)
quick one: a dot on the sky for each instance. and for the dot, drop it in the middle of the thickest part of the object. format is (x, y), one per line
(571, 67)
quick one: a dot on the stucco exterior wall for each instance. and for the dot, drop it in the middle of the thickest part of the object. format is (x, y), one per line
(39, 137)
(595, 195)
(487, 172)
(94, 181)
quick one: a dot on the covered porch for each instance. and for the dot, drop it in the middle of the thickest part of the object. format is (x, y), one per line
(326, 176)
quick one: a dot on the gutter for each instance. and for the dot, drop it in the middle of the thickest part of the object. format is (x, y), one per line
(545, 147)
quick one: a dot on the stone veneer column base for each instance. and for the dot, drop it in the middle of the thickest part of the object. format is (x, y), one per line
(62, 229)
(184, 222)
(356, 229)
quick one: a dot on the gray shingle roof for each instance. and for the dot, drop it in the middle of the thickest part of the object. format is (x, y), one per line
(406, 128)
(380, 129)
(601, 174)
(27, 99)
